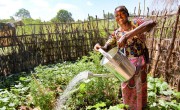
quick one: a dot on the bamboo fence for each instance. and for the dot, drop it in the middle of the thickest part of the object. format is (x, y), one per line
(25, 47)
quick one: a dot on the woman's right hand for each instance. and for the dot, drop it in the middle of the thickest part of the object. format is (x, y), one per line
(97, 47)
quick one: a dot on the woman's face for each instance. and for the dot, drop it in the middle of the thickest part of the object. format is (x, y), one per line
(121, 17)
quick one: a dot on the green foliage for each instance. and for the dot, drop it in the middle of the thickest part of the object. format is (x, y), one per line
(16, 92)
(48, 82)
(97, 106)
(119, 106)
(11, 20)
(160, 96)
(95, 90)
(94, 60)
(32, 21)
(23, 13)
(177, 95)
(7, 82)
(63, 16)
(43, 97)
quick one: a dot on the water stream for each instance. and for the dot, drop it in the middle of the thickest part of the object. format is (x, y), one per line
(77, 79)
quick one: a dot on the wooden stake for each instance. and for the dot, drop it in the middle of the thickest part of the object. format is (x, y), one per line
(171, 47)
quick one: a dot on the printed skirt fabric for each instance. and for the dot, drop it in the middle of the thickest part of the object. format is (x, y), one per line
(134, 92)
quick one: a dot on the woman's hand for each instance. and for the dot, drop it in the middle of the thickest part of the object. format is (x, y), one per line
(97, 47)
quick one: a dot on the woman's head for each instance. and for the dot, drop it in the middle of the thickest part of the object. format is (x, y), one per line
(121, 14)
(121, 8)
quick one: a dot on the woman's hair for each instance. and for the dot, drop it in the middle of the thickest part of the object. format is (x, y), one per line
(121, 8)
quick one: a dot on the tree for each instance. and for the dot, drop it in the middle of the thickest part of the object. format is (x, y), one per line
(79, 21)
(54, 19)
(63, 16)
(12, 18)
(23, 13)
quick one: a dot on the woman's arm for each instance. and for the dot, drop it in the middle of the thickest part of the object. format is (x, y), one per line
(144, 27)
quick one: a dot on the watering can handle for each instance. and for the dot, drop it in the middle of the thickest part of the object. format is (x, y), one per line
(109, 57)
(105, 54)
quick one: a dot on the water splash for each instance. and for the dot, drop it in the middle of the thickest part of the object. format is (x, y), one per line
(77, 79)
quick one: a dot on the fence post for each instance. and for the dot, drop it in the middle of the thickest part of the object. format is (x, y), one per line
(152, 44)
(171, 47)
(158, 48)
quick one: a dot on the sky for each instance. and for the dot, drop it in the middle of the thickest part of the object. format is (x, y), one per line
(47, 9)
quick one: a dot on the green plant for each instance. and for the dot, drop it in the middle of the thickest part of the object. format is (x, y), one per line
(95, 90)
(16, 93)
(97, 106)
(160, 96)
(43, 97)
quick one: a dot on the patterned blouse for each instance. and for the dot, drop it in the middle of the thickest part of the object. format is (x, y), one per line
(135, 46)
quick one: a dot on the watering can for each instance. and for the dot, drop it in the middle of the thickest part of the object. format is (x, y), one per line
(118, 64)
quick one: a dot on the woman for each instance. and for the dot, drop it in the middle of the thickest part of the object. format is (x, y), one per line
(130, 39)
